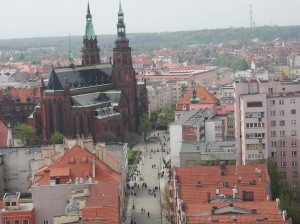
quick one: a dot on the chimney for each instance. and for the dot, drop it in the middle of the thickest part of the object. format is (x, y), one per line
(94, 167)
(233, 193)
(208, 196)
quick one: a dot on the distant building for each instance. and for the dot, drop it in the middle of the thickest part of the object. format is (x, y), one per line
(16, 105)
(206, 100)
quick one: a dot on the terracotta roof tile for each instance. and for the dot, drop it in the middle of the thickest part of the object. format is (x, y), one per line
(203, 94)
(78, 168)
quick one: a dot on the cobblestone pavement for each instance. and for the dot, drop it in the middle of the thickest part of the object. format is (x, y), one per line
(149, 175)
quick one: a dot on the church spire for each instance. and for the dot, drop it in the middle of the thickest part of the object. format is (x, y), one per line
(89, 30)
(90, 49)
(194, 99)
(121, 24)
(71, 56)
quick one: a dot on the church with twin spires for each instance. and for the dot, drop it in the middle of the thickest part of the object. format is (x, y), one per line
(95, 98)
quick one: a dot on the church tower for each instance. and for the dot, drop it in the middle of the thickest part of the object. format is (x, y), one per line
(124, 76)
(90, 49)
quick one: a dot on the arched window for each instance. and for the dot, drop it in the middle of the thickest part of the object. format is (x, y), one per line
(51, 121)
(60, 115)
(81, 124)
(74, 125)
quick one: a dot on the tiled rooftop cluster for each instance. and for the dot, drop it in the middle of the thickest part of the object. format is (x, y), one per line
(239, 194)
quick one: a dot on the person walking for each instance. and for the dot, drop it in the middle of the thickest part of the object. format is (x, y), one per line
(148, 214)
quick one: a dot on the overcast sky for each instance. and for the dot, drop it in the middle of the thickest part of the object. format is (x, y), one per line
(43, 18)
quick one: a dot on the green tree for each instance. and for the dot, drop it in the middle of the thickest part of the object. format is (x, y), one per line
(165, 204)
(132, 138)
(57, 138)
(27, 135)
(166, 117)
(154, 117)
(206, 53)
(145, 126)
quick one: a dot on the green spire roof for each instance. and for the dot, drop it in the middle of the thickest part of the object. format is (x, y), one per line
(89, 29)
(194, 99)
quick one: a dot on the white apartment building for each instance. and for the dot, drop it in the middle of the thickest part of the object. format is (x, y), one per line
(267, 125)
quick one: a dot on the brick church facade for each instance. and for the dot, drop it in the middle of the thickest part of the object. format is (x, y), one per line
(94, 98)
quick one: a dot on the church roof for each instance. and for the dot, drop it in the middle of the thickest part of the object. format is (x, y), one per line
(80, 76)
(89, 99)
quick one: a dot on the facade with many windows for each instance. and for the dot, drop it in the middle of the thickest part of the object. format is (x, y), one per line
(267, 114)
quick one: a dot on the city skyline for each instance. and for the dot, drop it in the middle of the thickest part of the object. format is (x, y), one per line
(47, 18)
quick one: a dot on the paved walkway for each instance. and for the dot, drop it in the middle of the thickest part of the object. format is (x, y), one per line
(150, 176)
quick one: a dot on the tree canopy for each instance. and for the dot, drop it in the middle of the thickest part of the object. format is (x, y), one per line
(145, 126)
(27, 135)
(57, 138)
(166, 117)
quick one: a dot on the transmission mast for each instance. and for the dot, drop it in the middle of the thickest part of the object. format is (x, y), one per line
(251, 16)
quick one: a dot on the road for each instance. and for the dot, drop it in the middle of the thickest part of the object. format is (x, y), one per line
(150, 166)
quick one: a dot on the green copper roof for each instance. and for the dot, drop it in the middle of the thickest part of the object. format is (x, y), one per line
(89, 29)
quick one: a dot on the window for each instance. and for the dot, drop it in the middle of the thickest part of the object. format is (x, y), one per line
(293, 133)
(25, 221)
(273, 123)
(293, 122)
(273, 113)
(184, 107)
(7, 203)
(295, 184)
(272, 102)
(293, 111)
(274, 164)
(294, 174)
(293, 101)
(281, 112)
(273, 154)
(281, 101)
(14, 203)
(294, 153)
(282, 143)
(273, 143)
(282, 164)
(282, 153)
(17, 221)
(282, 133)
(7, 222)
(282, 123)
(273, 133)
(283, 174)
(45, 221)
(294, 143)
(255, 104)
(294, 163)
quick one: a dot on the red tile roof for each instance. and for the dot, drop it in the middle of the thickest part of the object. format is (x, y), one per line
(24, 93)
(204, 95)
(197, 186)
(63, 168)
(102, 206)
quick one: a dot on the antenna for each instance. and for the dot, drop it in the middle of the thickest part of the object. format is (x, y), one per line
(251, 16)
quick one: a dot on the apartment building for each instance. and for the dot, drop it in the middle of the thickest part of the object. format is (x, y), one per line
(267, 118)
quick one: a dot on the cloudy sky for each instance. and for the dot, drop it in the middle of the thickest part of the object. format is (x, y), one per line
(43, 18)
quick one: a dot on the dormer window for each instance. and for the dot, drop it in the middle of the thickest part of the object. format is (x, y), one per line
(72, 160)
